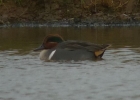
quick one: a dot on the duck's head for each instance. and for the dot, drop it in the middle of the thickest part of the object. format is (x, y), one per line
(50, 41)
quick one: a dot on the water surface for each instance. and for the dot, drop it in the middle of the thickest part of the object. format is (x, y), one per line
(24, 77)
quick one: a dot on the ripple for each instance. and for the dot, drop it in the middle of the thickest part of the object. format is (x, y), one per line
(114, 77)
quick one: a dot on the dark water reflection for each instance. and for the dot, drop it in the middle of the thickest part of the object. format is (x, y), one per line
(24, 77)
(28, 38)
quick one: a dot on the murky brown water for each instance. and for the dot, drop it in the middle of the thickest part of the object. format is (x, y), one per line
(24, 77)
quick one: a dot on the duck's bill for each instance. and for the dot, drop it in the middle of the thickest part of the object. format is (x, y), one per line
(39, 48)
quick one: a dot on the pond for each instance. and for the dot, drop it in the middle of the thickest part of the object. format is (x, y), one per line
(23, 76)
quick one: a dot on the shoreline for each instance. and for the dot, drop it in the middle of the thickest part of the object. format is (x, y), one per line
(71, 24)
(66, 13)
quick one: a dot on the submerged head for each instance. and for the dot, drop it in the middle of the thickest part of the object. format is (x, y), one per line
(50, 42)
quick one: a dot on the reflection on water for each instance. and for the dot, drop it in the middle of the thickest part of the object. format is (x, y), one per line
(28, 38)
(24, 77)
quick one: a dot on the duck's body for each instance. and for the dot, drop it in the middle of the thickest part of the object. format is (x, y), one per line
(56, 55)
(71, 50)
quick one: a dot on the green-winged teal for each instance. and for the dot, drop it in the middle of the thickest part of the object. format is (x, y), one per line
(54, 48)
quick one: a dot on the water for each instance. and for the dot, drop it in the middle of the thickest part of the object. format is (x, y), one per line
(24, 77)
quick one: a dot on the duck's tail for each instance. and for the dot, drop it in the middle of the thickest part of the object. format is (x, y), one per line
(100, 53)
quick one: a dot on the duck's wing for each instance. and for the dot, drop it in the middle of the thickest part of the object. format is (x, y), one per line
(73, 45)
(97, 47)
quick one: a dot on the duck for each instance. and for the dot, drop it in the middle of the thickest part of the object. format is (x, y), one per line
(55, 48)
